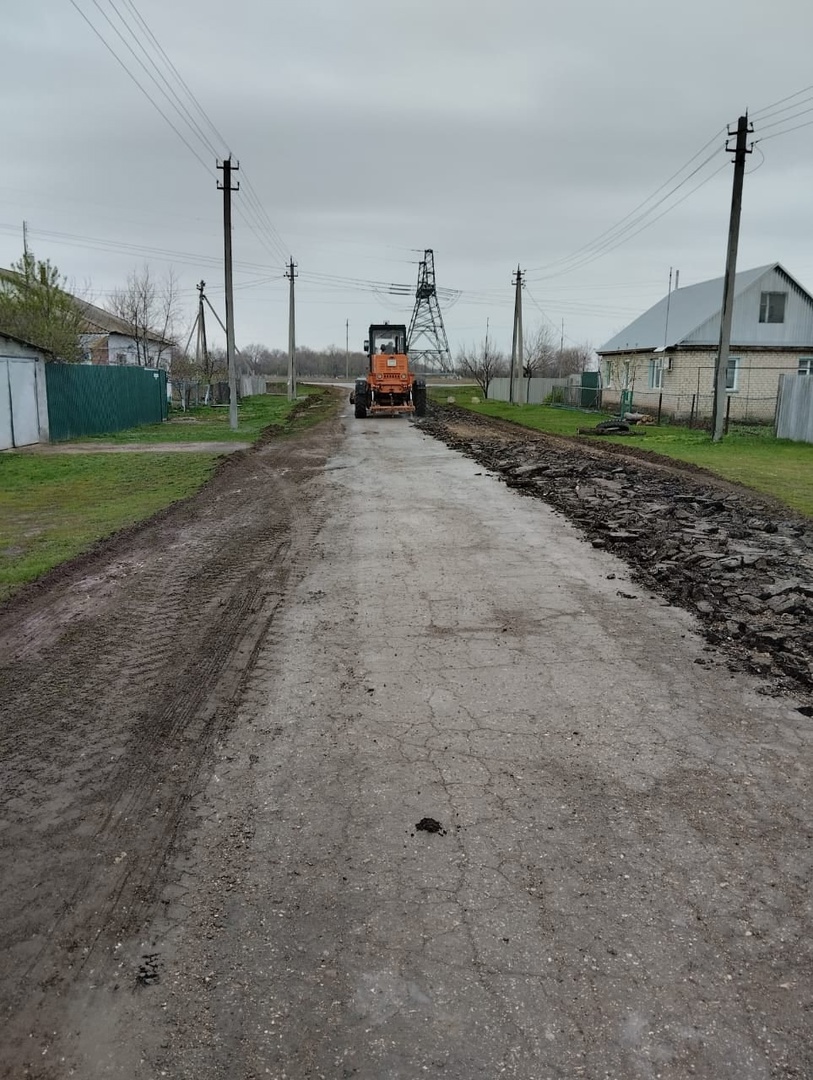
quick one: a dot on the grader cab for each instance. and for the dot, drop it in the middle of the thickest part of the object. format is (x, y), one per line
(389, 387)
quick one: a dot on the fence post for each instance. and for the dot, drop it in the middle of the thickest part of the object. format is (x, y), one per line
(691, 411)
(660, 406)
(727, 413)
(780, 383)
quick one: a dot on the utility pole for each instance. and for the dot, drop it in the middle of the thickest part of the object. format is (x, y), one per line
(517, 360)
(291, 274)
(347, 348)
(201, 349)
(721, 367)
(25, 242)
(227, 189)
(562, 348)
(668, 304)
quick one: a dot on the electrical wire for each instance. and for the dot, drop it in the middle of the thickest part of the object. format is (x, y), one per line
(168, 90)
(620, 227)
(787, 131)
(787, 119)
(164, 254)
(787, 108)
(201, 111)
(253, 212)
(621, 239)
(781, 101)
(143, 90)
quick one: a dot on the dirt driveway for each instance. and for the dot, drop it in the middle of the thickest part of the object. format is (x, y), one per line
(319, 776)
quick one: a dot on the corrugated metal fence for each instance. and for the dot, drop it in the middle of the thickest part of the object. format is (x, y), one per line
(580, 391)
(90, 400)
(794, 412)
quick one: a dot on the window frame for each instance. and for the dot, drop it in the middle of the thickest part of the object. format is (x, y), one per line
(655, 374)
(807, 369)
(733, 365)
(766, 306)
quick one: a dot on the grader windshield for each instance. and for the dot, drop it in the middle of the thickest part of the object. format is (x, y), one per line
(388, 340)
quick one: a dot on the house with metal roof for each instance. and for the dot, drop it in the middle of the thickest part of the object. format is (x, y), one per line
(664, 360)
(112, 340)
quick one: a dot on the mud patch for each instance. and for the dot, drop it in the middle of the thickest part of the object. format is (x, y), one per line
(430, 825)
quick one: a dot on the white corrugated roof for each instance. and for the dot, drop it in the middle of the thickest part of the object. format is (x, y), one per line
(689, 308)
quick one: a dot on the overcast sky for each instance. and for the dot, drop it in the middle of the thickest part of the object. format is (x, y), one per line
(496, 133)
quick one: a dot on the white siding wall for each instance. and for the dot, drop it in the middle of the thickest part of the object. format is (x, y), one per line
(124, 347)
(23, 399)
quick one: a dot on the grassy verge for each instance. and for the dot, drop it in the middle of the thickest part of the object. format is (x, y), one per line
(748, 455)
(209, 423)
(53, 507)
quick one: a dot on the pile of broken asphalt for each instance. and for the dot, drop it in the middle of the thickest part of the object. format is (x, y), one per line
(742, 563)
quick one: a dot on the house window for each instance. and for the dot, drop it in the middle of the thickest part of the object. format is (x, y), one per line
(732, 374)
(608, 373)
(655, 374)
(772, 307)
(121, 357)
(805, 365)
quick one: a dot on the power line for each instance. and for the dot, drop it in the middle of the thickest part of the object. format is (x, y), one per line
(781, 101)
(787, 131)
(254, 213)
(202, 112)
(616, 229)
(123, 246)
(787, 108)
(625, 235)
(787, 119)
(169, 91)
(145, 92)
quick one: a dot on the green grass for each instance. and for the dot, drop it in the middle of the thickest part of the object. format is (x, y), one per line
(53, 507)
(747, 455)
(554, 421)
(751, 456)
(209, 423)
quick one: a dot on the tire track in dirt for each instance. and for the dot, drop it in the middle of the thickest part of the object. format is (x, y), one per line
(118, 683)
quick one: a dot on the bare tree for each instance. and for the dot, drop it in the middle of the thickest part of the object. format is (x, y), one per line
(482, 362)
(539, 356)
(576, 358)
(150, 310)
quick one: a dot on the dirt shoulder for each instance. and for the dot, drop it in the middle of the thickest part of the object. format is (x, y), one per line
(119, 673)
(742, 562)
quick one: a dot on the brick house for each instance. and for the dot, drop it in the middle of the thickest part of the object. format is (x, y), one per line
(666, 357)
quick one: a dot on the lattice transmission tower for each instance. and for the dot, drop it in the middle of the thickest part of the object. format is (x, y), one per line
(427, 344)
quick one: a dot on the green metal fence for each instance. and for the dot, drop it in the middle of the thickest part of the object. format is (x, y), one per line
(85, 399)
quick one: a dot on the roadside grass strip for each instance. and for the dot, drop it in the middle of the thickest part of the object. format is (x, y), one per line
(54, 507)
(209, 423)
(748, 455)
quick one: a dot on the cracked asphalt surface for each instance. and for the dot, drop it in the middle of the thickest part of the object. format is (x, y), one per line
(222, 735)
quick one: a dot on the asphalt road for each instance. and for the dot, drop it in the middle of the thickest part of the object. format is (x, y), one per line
(620, 884)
